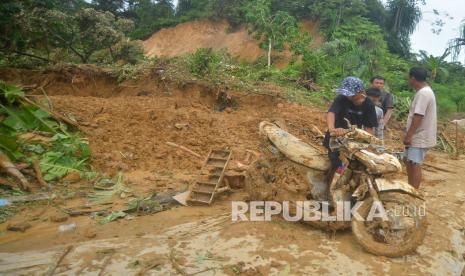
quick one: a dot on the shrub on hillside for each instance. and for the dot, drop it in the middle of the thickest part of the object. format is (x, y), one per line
(203, 61)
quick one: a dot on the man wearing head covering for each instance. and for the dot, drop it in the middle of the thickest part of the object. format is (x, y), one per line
(353, 105)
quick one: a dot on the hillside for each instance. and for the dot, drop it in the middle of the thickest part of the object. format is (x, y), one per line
(187, 37)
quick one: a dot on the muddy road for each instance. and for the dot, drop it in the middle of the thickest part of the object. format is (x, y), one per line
(128, 130)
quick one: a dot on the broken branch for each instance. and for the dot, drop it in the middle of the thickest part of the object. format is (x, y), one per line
(185, 149)
(38, 173)
(437, 168)
(175, 264)
(59, 260)
(9, 167)
(54, 114)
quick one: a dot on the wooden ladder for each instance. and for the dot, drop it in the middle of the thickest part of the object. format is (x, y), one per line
(210, 184)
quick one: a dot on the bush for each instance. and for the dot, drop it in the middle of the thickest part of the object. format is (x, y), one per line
(445, 106)
(129, 71)
(203, 61)
(127, 51)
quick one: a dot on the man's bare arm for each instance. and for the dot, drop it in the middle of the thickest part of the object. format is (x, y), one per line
(416, 122)
(331, 122)
(370, 130)
(388, 115)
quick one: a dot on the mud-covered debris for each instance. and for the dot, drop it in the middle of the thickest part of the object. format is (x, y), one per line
(90, 234)
(184, 149)
(181, 198)
(112, 217)
(59, 217)
(106, 188)
(181, 126)
(145, 206)
(72, 177)
(31, 198)
(33, 137)
(38, 174)
(7, 166)
(235, 180)
(269, 178)
(64, 228)
(19, 227)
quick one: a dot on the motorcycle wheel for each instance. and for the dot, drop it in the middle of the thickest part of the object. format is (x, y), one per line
(404, 232)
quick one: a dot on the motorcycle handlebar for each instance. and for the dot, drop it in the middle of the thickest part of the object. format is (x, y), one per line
(345, 133)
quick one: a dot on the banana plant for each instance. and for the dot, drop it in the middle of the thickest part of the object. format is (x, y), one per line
(435, 64)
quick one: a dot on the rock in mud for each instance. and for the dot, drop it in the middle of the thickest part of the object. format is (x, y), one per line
(90, 234)
(59, 217)
(181, 126)
(72, 177)
(122, 166)
(19, 227)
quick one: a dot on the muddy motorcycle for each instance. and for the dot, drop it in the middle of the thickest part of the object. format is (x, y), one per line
(368, 178)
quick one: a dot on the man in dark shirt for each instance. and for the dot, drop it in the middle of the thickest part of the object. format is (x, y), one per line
(353, 105)
(387, 101)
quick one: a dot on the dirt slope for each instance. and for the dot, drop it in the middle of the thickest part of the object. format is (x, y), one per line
(190, 36)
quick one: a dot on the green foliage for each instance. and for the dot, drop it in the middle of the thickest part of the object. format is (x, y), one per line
(401, 20)
(314, 67)
(333, 13)
(66, 152)
(273, 29)
(78, 34)
(435, 65)
(402, 104)
(112, 217)
(150, 16)
(204, 61)
(124, 52)
(451, 98)
(7, 212)
(10, 93)
(231, 10)
(106, 188)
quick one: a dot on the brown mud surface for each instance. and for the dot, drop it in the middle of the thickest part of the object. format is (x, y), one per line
(128, 126)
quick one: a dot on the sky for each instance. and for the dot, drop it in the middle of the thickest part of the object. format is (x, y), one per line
(425, 39)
